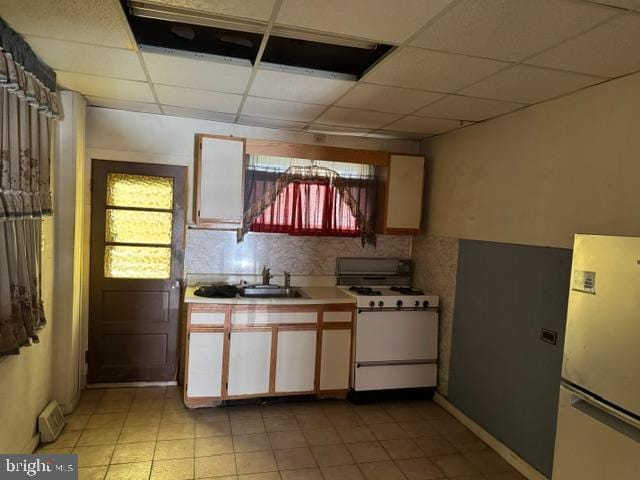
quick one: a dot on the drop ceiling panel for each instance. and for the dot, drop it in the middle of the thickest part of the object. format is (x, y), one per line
(196, 113)
(198, 99)
(280, 109)
(509, 29)
(424, 125)
(387, 99)
(381, 20)
(349, 117)
(192, 73)
(123, 105)
(526, 84)
(115, 88)
(297, 87)
(427, 70)
(252, 9)
(456, 107)
(84, 58)
(611, 50)
(270, 123)
(95, 22)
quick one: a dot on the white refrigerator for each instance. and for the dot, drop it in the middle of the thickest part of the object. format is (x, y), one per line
(598, 430)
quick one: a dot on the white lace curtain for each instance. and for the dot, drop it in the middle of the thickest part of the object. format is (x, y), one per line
(27, 110)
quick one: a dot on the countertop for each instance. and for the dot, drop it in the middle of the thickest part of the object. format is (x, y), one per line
(316, 295)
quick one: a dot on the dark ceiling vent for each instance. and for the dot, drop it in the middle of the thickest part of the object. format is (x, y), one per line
(175, 29)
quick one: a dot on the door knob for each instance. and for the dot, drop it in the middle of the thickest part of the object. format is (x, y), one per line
(175, 284)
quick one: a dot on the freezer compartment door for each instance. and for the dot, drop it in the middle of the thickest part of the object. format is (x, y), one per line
(371, 376)
(593, 442)
(389, 335)
(601, 352)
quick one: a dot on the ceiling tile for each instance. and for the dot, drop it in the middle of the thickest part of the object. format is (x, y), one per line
(424, 125)
(609, 50)
(526, 84)
(98, 23)
(94, 86)
(380, 20)
(91, 59)
(337, 130)
(202, 74)
(298, 87)
(271, 123)
(123, 105)
(198, 99)
(196, 113)
(387, 99)
(349, 117)
(456, 107)
(509, 29)
(427, 70)
(265, 107)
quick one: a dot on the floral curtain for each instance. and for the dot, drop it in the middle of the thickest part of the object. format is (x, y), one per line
(303, 197)
(27, 110)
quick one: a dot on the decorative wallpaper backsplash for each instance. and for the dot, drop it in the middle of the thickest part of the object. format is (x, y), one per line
(436, 268)
(214, 251)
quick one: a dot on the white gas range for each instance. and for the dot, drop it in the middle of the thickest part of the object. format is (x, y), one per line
(396, 329)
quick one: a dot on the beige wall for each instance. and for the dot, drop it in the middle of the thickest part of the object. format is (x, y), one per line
(541, 174)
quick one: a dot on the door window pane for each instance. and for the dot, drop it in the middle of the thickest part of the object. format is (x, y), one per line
(122, 261)
(135, 226)
(139, 191)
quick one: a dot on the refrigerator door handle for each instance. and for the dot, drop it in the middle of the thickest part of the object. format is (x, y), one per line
(604, 414)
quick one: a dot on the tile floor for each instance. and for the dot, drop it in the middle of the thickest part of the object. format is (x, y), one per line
(147, 433)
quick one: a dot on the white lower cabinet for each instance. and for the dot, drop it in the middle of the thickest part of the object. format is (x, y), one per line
(335, 360)
(296, 361)
(205, 364)
(249, 362)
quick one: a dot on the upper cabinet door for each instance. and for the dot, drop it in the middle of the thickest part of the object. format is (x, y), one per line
(404, 194)
(219, 181)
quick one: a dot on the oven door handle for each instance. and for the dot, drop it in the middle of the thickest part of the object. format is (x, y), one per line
(396, 309)
(387, 363)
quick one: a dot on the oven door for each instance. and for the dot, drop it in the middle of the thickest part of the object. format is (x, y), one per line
(396, 349)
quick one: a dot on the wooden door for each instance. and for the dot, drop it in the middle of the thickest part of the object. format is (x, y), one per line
(137, 253)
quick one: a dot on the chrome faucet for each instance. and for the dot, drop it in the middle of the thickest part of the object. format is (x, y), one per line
(287, 279)
(266, 275)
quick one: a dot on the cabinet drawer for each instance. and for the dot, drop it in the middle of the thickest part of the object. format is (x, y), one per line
(343, 316)
(381, 377)
(207, 318)
(250, 317)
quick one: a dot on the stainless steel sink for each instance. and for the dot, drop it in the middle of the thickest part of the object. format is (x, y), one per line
(271, 291)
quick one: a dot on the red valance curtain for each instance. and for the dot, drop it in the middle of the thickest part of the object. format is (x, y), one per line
(308, 208)
(304, 197)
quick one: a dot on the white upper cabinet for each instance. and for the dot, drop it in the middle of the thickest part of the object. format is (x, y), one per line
(404, 194)
(219, 181)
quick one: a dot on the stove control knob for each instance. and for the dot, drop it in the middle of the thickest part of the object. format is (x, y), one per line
(399, 303)
(381, 304)
(417, 303)
(372, 303)
(425, 304)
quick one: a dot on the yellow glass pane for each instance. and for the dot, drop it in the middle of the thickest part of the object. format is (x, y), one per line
(137, 262)
(141, 191)
(137, 226)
